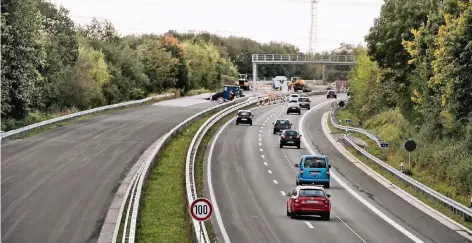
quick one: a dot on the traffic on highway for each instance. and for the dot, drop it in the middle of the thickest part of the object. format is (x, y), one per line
(280, 180)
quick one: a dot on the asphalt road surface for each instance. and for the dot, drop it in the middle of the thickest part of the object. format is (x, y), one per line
(250, 174)
(57, 186)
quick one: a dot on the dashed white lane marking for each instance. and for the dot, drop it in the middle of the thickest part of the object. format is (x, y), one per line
(260, 134)
(260, 139)
(270, 172)
(275, 181)
(348, 227)
(261, 150)
(260, 130)
(260, 144)
(262, 156)
(309, 225)
(265, 163)
(283, 193)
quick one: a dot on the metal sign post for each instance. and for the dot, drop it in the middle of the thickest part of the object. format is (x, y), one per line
(410, 146)
(201, 210)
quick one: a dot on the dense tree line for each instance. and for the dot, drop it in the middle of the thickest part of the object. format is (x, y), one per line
(414, 81)
(51, 66)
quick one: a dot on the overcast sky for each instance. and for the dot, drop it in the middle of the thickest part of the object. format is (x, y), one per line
(262, 20)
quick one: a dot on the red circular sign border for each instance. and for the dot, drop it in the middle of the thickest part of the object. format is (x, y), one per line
(202, 199)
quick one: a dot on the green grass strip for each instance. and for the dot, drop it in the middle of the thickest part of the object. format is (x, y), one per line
(163, 214)
(379, 169)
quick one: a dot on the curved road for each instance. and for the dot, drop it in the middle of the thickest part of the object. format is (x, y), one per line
(57, 186)
(250, 174)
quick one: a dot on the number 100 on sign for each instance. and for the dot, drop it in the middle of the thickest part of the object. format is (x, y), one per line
(201, 209)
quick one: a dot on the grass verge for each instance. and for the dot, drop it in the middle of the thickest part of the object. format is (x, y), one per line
(374, 150)
(163, 214)
(200, 162)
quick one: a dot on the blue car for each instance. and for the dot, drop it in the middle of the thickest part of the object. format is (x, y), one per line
(313, 169)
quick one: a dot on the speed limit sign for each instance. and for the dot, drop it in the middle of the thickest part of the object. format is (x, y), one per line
(201, 209)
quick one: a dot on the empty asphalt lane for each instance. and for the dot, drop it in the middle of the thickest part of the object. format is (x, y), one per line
(57, 186)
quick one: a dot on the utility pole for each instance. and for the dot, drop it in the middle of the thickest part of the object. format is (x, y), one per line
(313, 32)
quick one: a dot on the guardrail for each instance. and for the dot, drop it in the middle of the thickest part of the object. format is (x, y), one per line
(199, 227)
(10, 134)
(452, 205)
(134, 191)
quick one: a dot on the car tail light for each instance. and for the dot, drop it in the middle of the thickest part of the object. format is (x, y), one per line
(298, 136)
(282, 136)
(301, 171)
(327, 172)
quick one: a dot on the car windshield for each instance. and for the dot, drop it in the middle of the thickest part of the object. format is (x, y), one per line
(312, 193)
(283, 122)
(294, 96)
(244, 113)
(291, 133)
(303, 99)
(331, 92)
(293, 101)
(315, 163)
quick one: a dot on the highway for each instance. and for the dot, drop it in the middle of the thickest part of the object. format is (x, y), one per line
(57, 186)
(250, 174)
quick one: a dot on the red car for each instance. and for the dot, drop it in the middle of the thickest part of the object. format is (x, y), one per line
(309, 200)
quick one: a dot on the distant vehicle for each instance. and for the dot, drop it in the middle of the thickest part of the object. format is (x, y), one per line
(293, 97)
(243, 81)
(281, 124)
(290, 138)
(313, 169)
(229, 93)
(331, 94)
(244, 116)
(309, 200)
(294, 107)
(304, 102)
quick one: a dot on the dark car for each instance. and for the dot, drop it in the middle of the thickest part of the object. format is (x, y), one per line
(290, 138)
(245, 117)
(331, 94)
(294, 107)
(281, 124)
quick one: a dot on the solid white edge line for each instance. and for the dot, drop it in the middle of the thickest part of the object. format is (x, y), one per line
(283, 193)
(352, 192)
(216, 209)
(309, 225)
(210, 184)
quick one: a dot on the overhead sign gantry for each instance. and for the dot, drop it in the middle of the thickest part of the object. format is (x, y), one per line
(258, 59)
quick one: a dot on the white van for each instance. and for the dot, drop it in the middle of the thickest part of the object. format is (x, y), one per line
(294, 97)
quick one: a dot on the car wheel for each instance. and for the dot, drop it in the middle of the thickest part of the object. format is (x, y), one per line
(275, 131)
(326, 216)
(288, 112)
(326, 185)
(327, 97)
(299, 113)
(237, 123)
(298, 146)
(293, 216)
(288, 213)
(281, 145)
(308, 107)
(297, 183)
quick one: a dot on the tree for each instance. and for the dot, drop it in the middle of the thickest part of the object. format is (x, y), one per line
(159, 65)
(61, 47)
(22, 55)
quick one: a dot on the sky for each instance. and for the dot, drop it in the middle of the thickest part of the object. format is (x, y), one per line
(288, 21)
